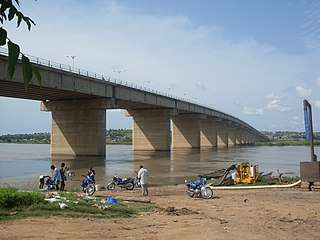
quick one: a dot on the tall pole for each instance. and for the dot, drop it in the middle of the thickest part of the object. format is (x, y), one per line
(309, 128)
(119, 71)
(73, 57)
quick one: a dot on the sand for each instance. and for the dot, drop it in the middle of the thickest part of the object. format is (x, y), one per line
(232, 214)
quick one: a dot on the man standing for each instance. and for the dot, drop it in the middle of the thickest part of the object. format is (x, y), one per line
(63, 176)
(143, 176)
(56, 176)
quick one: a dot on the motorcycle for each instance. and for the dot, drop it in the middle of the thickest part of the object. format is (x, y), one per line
(198, 188)
(88, 184)
(127, 183)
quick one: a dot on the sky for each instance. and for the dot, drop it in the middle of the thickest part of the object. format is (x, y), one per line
(255, 60)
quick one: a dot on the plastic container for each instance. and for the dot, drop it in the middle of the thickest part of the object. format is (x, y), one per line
(112, 200)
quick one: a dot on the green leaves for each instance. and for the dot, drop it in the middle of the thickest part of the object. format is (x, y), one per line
(3, 37)
(37, 74)
(26, 71)
(8, 11)
(14, 51)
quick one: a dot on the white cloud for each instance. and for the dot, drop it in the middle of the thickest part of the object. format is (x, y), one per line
(275, 105)
(272, 96)
(317, 103)
(296, 121)
(303, 92)
(201, 86)
(318, 81)
(248, 110)
(203, 61)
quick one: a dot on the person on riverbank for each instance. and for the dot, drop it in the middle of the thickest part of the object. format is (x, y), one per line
(92, 173)
(63, 169)
(56, 176)
(143, 176)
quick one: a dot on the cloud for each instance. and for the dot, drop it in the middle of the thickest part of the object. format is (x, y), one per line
(311, 32)
(318, 81)
(317, 104)
(272, 96)
(275, 105)
(248, 110)
(200, 86)
(204, 61)
(303, 92)
(296, 121)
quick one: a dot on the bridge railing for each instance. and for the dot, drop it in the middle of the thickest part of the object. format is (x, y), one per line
(67, 68)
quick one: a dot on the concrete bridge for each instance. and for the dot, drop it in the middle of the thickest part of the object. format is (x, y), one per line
(78, 101)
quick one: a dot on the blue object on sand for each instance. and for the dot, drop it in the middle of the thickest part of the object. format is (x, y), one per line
(112, 200)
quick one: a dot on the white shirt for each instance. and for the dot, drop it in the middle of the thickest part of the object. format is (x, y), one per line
(57, 175)
(143, 175)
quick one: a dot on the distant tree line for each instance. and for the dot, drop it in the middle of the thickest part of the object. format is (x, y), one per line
(26, 138)
(124, 136)
(113, 136)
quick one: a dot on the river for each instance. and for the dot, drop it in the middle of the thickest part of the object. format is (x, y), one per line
(21, 164)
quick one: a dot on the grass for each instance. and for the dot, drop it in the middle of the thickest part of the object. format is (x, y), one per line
(263, 181)
(33, 204)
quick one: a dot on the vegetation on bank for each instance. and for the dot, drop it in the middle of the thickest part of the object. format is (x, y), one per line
(263, 180)
(124, 136)
(15, 204)
(113, 136)
(286, 143)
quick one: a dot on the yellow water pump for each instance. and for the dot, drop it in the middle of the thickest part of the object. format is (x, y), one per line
(246, 173)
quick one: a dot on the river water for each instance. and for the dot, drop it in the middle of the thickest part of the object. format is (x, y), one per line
(21, 164)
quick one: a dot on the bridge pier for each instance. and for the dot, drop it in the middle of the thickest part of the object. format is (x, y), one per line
(150, 130)
(78, 126)
(231, 135)
(186, 131)
(208, 133)
(222, 134)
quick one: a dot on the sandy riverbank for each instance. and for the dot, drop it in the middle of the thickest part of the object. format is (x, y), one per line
(231, 214)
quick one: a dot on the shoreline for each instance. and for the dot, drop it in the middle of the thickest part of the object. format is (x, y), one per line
(251, 214)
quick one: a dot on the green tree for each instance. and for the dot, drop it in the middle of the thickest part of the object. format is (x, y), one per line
(9, 12)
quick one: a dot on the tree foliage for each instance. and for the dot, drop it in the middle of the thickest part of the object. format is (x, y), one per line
(9, 12)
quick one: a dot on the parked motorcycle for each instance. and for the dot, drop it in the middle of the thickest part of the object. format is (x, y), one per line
(88, 184)
(198, 188)
(127, 183)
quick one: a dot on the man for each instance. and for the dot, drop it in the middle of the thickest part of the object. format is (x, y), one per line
(56, 176)
(63, 176)
(143, 176)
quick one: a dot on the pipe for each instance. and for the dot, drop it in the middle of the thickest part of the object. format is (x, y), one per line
(255, 187)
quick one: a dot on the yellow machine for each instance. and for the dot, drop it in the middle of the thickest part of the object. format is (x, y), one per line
(246, 173)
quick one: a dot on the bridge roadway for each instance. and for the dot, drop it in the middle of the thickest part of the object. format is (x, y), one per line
(79, 99)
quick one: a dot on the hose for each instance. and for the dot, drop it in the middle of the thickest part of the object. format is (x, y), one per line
(256, 187)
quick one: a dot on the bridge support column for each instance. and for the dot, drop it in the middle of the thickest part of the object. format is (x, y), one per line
(245, 136)
(186, 131)
(150, 130)
(222, 134)
(238, 135)
(78, 127)
(208, 133)
(231, 135)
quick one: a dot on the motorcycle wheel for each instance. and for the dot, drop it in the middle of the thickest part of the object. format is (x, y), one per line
(111, 186)
(130, 186)
(190, 194)
(207, 193)
(90, 189)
